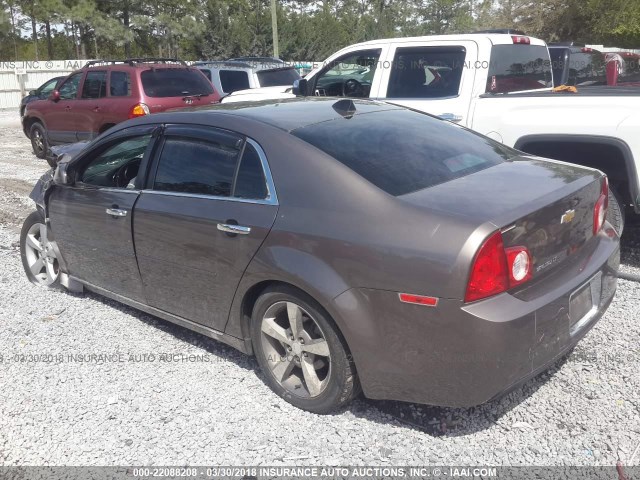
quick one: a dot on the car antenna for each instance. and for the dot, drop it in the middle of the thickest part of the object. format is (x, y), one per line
(345, 107)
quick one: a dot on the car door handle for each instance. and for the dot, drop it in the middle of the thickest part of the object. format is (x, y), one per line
(450, 117)
(116, 212)
(68, 107)
(228, 228)
(96, 109)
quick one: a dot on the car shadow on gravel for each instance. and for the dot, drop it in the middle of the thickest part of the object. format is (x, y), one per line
(434, 421)
(211, 346)
(630, 244)
(456, 422)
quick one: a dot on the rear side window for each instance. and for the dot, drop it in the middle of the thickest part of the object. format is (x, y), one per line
(514, 68)
(402, 151)
(196, 166)
(120, 84)
(250, 182)
(95, 85)
(233, 80)
(426, 72)
(278, 77)
(206, 72)
(175, 82)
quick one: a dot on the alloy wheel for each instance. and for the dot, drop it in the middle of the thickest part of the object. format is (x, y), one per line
(38, 140)
(296, 349)
(41, 256)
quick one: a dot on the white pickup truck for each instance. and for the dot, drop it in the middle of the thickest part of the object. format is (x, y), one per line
(499, 85)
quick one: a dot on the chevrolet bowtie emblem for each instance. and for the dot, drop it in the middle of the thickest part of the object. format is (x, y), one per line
(567, 216)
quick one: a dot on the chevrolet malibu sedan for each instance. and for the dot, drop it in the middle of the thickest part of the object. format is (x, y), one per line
(348, 245)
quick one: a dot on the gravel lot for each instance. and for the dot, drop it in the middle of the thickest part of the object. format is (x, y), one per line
(207, 403)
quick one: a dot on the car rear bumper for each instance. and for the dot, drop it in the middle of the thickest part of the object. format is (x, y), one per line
(462, 355)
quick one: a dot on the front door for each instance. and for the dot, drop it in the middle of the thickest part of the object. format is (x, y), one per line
(201, 220)
(92, 219)
(61, 122)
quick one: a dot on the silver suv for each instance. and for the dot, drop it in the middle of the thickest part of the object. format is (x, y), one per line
(244, 73)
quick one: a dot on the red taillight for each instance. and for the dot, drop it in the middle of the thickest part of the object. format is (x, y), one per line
(587, 50)
(601, 206)
(489, 273)
(496, 269)
(138, 110)
(521, 40)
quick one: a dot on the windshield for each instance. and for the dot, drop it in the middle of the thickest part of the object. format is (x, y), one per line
(278, 77)
(514, 68)
(402, 151)
(175, 82)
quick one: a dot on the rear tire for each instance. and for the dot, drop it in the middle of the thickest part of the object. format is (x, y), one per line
(615, 212)
(39, 142)
(316, 373)
(37, 253)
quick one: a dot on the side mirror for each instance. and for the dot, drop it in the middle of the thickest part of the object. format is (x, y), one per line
(63, 175)
(32, 92)
(300, 87)
(55, 96)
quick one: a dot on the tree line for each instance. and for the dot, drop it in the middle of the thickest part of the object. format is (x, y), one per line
(308, 29)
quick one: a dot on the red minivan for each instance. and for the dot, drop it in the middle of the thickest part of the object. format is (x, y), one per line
(104, 93)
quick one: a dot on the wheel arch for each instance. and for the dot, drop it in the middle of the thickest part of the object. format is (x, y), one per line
(28, 121)
(609, 154)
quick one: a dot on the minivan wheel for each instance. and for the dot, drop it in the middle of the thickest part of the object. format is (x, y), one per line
(38, 255)
(299, 349)
(39, 143)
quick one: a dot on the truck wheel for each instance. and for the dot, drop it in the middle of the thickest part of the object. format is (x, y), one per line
(39, 143)
(615, 212)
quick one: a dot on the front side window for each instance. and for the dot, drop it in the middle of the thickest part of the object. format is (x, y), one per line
(69, 89)
(234, 80)
(47, 88)
(120, 84)
(349, 76)
(426, 72)
(196, 166)
(95, 85)
(117, 166)
(515, 68)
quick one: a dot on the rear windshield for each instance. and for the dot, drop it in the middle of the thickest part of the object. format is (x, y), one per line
(278, 77)
(401, 151)
(514, 68)
(175, 82)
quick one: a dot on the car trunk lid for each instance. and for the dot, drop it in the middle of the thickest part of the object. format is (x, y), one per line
(545, 206)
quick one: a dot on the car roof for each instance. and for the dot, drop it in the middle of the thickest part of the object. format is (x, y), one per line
(291, 114)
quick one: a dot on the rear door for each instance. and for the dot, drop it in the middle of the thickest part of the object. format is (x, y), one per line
(60, 117)
(92, 219)
(433, 77)
(206, 210)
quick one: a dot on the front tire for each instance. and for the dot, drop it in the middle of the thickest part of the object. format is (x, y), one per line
(39, 142)
(303, 357)
(37, 252)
